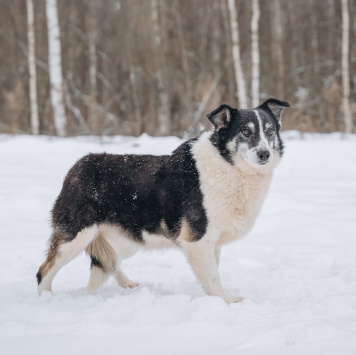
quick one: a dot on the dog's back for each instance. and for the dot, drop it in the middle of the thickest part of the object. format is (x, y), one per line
(115, 189)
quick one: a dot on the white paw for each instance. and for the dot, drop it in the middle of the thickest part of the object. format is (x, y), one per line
(237, 299)
(44, 289)
(45, 295)
(129, 284)
(232, 299)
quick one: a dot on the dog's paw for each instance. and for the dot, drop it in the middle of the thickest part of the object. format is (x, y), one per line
(129, 284)
(237, 299)
(46, 296)
(44, 289)
(233, 299)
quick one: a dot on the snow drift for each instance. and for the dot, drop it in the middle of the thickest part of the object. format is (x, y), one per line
(296, 269)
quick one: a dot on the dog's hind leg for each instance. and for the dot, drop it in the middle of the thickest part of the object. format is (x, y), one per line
(123, 280)
(106, 252)
(103, 261)
(62, 252)
(98, 276)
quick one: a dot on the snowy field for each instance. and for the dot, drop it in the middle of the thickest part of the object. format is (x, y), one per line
(296, 269)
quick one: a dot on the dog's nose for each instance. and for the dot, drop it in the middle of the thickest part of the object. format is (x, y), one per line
(263, 155)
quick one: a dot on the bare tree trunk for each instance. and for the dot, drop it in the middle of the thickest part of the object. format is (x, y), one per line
(255, 54)
(277, 44)
(32, 67)
(314, 39)
(188, 96)
(239, 75)
(227, 53)
(216, 37)
(216, 42)
(331, 18)
(163, 111)
(92, 37)
(345, 70)
(70, 105)
(193, 129)
(136, 100)
(55, 67)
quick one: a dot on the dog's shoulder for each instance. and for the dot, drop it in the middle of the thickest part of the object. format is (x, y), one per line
(183, 199)
(181, 161)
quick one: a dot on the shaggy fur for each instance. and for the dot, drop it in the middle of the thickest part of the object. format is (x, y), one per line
(207, 193)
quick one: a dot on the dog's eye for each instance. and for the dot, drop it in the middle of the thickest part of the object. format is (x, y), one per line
(246, 132)
(270, 132)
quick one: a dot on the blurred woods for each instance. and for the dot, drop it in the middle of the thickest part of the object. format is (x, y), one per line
(71, 67)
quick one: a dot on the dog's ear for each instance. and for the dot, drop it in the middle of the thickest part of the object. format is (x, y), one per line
(276, 107)
(220, 117)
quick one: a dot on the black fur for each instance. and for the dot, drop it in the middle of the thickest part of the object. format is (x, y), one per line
(39, 277)
(136, 192)
(95, 263)
(275, 106)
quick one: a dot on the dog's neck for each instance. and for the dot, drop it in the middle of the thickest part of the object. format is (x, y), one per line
(233, 195)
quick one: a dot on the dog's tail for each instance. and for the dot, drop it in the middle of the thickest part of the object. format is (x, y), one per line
(103, 262)
(102, 254)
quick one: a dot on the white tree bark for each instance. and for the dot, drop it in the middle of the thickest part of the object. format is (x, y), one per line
(32, 67)
(163, 111)
(345, 70)
(255, 54)
(239, 75)
(55, 67)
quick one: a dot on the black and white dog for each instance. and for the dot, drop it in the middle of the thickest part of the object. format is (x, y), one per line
(207, 193)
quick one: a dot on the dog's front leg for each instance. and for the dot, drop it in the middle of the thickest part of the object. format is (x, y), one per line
(202, 258)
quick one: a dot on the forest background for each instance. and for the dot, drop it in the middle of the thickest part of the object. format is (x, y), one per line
(158, 66)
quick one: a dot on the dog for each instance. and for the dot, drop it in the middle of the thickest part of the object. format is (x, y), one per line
(207, 193)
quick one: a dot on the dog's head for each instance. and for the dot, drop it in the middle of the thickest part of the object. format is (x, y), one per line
(249, 138)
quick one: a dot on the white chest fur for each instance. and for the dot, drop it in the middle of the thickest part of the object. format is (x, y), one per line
(232, 198)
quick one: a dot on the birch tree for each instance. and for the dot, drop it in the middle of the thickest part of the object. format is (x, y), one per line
(255, 54)
(55, 67)
(345, 71)
(32, 67)
(162, 109)
(157, 66)
(235, 37)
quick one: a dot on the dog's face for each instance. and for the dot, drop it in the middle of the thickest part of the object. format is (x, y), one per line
(249, 138)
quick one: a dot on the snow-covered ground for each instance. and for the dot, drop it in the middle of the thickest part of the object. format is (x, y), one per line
(297, 268)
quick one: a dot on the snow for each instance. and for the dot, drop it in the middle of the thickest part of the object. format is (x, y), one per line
(296, 269)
